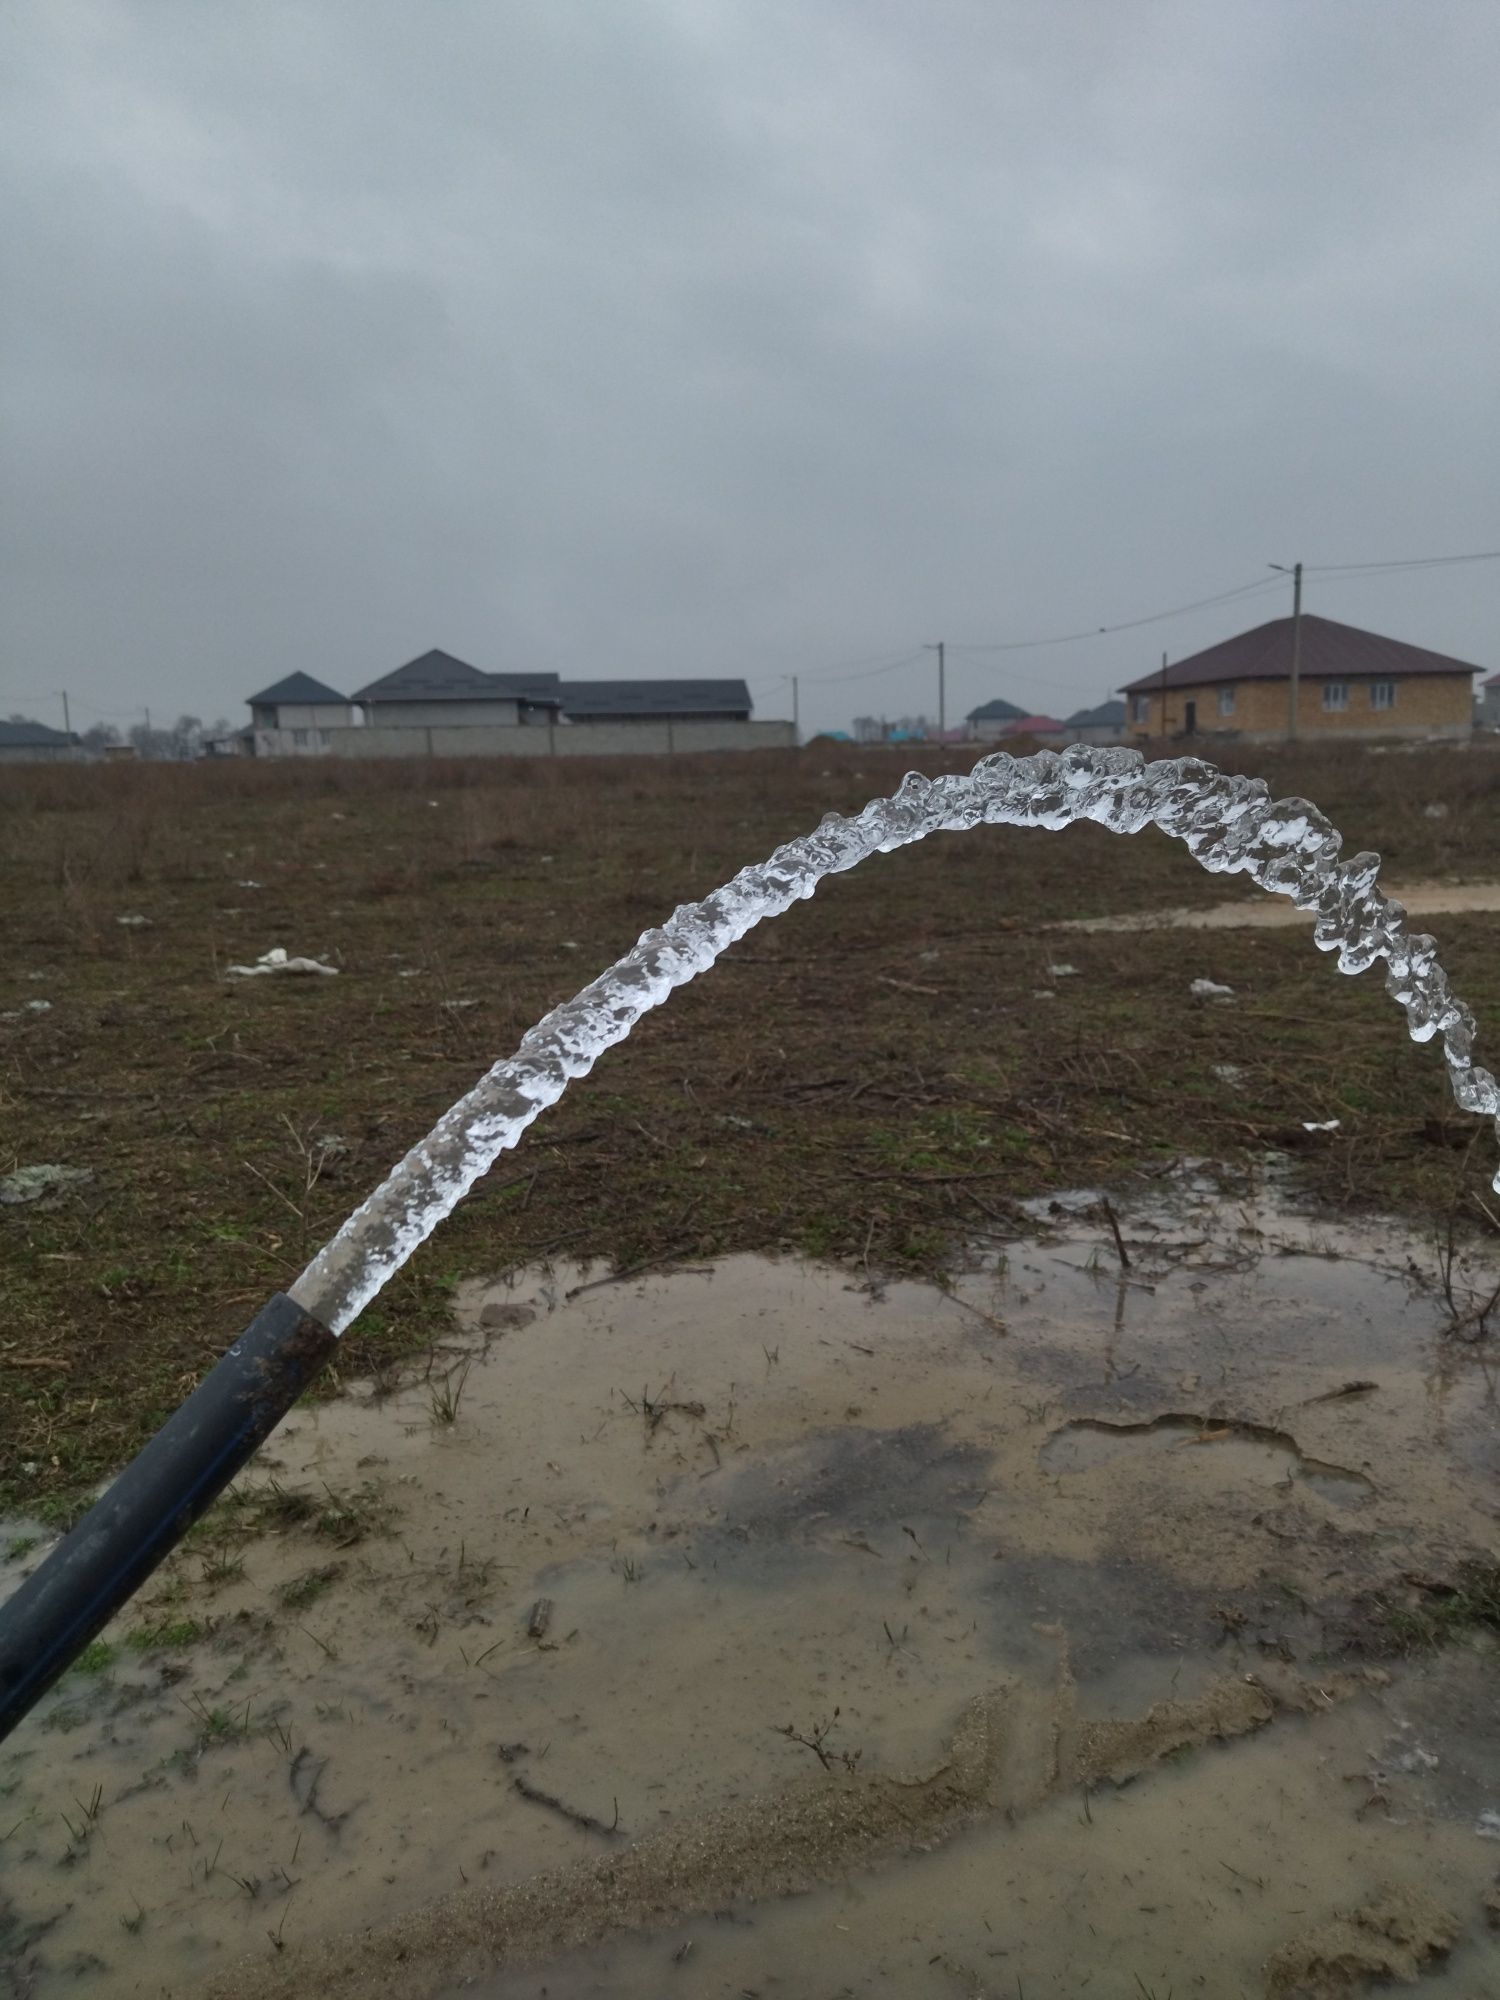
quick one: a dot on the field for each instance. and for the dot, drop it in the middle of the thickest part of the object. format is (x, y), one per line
(873, 1079)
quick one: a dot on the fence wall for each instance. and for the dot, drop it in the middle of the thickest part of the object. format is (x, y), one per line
(578, 739)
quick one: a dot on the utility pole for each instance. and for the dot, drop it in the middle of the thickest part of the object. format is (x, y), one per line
(941, 650)
(1291, 719)
(1164, 697)
(67, 720)
(796, 714)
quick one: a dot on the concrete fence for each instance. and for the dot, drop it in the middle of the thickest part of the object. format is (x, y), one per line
(577, 739)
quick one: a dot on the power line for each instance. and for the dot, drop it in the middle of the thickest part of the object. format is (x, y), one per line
(1405, 562)
(1251, 589)
(1125, 625)
(906, 659)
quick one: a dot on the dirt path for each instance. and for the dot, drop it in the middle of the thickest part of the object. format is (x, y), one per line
(1261, 912)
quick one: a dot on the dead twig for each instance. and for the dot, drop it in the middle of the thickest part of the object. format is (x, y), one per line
(651, 1263)
(1114, 1229)
(580, 1819)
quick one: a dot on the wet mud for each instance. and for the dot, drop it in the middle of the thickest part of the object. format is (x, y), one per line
(768, 1628)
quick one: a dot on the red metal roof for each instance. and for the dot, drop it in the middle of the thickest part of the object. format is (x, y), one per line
(1330, 651)
(1033, 725)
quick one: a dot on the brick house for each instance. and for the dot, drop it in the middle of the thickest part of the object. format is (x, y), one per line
(1489, 703)
(1351, 684)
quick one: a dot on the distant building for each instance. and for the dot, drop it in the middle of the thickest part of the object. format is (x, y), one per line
(1489, 703)
(986, 724)
(655, 701)
(1045, 728)
(236, 743)
(1351, 683)
(440, 706)
(35, 743)
(291, 718)
(437, 691)
(1102, 725)
(880, 729)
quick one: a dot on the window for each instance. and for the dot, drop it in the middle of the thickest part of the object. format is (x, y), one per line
(1143, 708)
(1382, 694)
(1226, 701)
(299, 738)
(1335, 695)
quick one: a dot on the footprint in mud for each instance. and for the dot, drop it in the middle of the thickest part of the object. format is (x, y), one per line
(1242, 1452)
(855, 1478)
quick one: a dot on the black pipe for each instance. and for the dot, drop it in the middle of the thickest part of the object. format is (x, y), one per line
(79, 1586)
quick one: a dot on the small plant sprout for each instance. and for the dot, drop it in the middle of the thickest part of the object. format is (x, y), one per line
(444, 1396)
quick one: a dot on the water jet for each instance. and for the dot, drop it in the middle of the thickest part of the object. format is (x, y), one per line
(1228, 823)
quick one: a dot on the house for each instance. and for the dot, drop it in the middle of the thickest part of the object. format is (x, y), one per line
(1104, 724)
(292, 717)
(438, 691)
(880, 729)
(1045, 728)
(440, 706)
(1489, 703)
(655, 701)
(1351, 683)
(35, 743)
(986, 724)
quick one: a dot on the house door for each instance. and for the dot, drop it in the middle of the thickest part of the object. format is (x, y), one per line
(1190, 718)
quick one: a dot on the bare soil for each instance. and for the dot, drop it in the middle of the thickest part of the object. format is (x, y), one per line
(874, 1078)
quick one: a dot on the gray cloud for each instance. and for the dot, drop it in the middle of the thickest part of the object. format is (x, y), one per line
(734, 336)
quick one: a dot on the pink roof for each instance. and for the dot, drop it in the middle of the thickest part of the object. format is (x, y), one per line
(1034, 725)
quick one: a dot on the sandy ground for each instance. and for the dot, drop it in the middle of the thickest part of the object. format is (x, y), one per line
(763, 1628)
(1418, 899)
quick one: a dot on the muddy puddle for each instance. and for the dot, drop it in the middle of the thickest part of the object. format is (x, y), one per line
(1419, 899)
(762, 1629)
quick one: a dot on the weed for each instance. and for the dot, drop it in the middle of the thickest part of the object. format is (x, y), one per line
(278, 1733)
(816, 1740)
(444, 1396)
(167, 1635)
(97, 1657)
(300, 1591)
(325, 1646)
(1447, 1611)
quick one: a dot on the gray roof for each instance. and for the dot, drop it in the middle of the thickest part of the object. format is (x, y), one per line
(996, 711)
(1330, 651)
(34, 736)
(655, 698)
(1108, 715)
(297, 687)
(439, 676)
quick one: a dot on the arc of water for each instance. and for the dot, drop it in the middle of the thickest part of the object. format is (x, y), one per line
(1229, 824)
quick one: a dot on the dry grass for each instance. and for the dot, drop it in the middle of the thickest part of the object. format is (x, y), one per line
(870, 1077)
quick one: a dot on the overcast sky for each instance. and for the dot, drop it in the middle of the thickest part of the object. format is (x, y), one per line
(748, 337)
